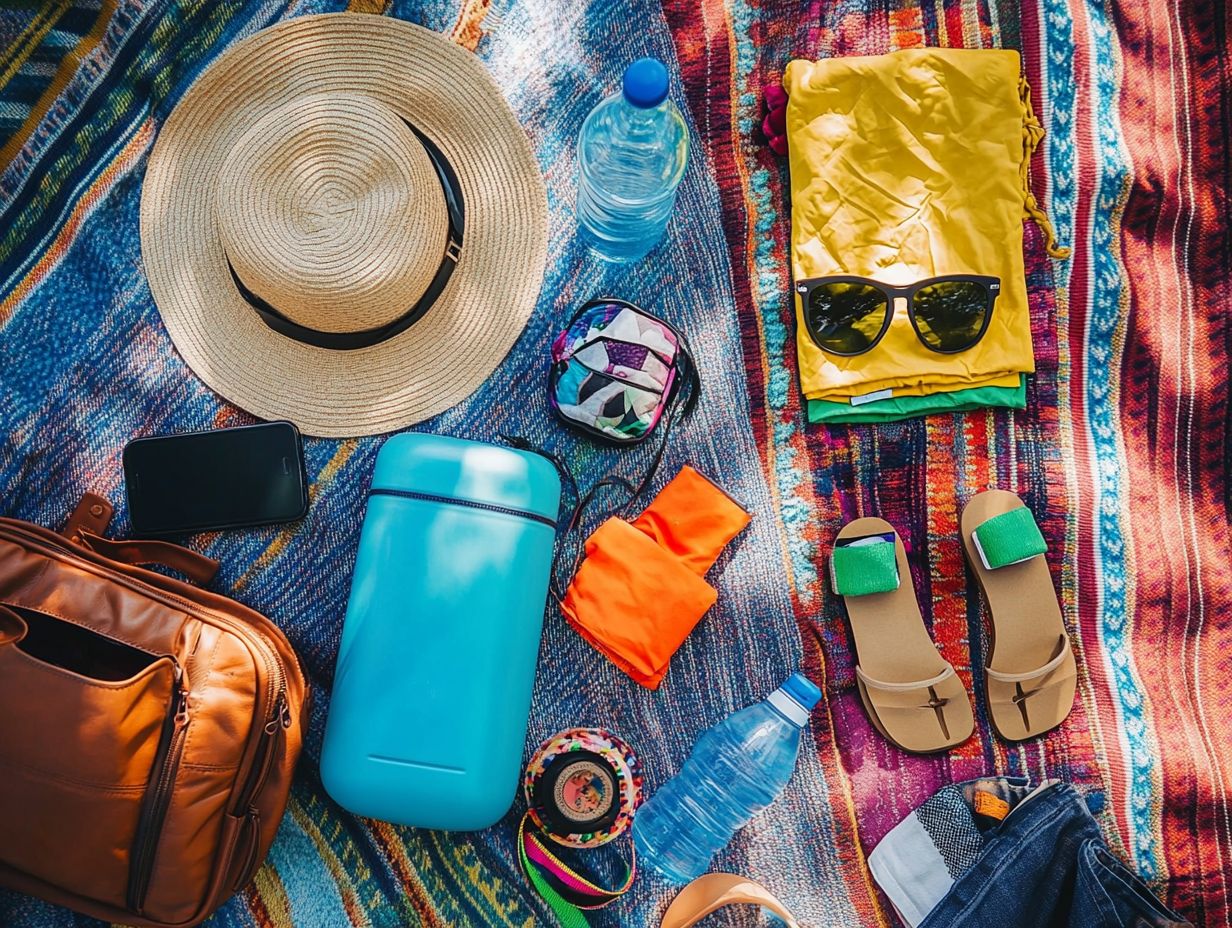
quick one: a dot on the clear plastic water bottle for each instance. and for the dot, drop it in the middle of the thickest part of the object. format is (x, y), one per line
(737, 768)
(631, 156)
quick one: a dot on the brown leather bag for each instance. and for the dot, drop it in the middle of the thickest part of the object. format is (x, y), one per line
(148, 728)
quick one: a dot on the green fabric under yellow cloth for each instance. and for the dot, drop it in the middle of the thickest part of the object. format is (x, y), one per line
(909, 407)
(903, 167)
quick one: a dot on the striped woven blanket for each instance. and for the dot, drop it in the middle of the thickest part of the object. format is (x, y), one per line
(1122, 452)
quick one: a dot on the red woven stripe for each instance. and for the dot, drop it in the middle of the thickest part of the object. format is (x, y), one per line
(1175, 245)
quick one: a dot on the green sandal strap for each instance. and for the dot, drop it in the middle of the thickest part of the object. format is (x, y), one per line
(1010, 538)
(867, 566)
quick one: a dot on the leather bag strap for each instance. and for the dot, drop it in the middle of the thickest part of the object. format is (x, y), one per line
(196, 567)
(93, 514)
(716, 891)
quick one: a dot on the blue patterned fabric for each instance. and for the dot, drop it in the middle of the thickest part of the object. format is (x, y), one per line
(1121, 452)
(87, 366)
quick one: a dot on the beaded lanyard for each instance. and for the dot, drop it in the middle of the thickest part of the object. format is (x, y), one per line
(582, 787)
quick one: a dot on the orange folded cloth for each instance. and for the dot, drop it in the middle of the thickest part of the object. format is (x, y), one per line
(693, 519)
(640, 590)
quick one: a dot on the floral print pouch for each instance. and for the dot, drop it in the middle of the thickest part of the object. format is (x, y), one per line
(616, 370)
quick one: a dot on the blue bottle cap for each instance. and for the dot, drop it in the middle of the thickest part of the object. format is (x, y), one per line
(645, 83)
(802, 690)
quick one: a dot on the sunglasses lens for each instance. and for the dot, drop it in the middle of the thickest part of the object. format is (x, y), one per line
(950, 315)
(845, 318)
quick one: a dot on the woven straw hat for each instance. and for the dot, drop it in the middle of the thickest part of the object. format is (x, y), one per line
(343, 224)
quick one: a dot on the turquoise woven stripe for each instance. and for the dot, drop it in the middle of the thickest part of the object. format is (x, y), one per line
(861, 569)
(1104, 342)
(1009, 538)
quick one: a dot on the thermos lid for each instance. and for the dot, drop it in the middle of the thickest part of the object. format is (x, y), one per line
(469, 471)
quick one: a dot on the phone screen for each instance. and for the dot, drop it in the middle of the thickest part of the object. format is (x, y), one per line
(229, 478)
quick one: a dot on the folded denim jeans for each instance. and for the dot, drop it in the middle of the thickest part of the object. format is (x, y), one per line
(995, 852)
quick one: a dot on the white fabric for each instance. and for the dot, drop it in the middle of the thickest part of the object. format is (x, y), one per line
(910, 870)
(872, 397)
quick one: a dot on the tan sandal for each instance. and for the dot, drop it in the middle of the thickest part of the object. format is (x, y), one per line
(1031, 672)
(912, 694)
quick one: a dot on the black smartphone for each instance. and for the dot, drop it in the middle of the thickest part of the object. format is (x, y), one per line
(227, 478)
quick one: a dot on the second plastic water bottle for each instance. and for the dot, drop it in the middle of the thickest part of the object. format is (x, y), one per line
(631, 156)
(737, 768)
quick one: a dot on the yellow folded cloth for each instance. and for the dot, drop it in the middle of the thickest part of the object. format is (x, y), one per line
(908, 166)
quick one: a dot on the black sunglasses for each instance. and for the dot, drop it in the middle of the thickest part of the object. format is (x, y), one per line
(850, 315)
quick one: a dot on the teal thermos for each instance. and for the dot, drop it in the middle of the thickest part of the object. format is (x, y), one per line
(433, 681)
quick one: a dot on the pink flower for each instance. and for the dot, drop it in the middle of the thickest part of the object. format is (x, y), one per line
(776, 97)
(774, 126)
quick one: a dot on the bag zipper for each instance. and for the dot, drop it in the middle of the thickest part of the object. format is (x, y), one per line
(279, 721)
(262, 763)
(600, 300)
(469, 503)
(667, 362)
(158, 795)
(612, 377)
